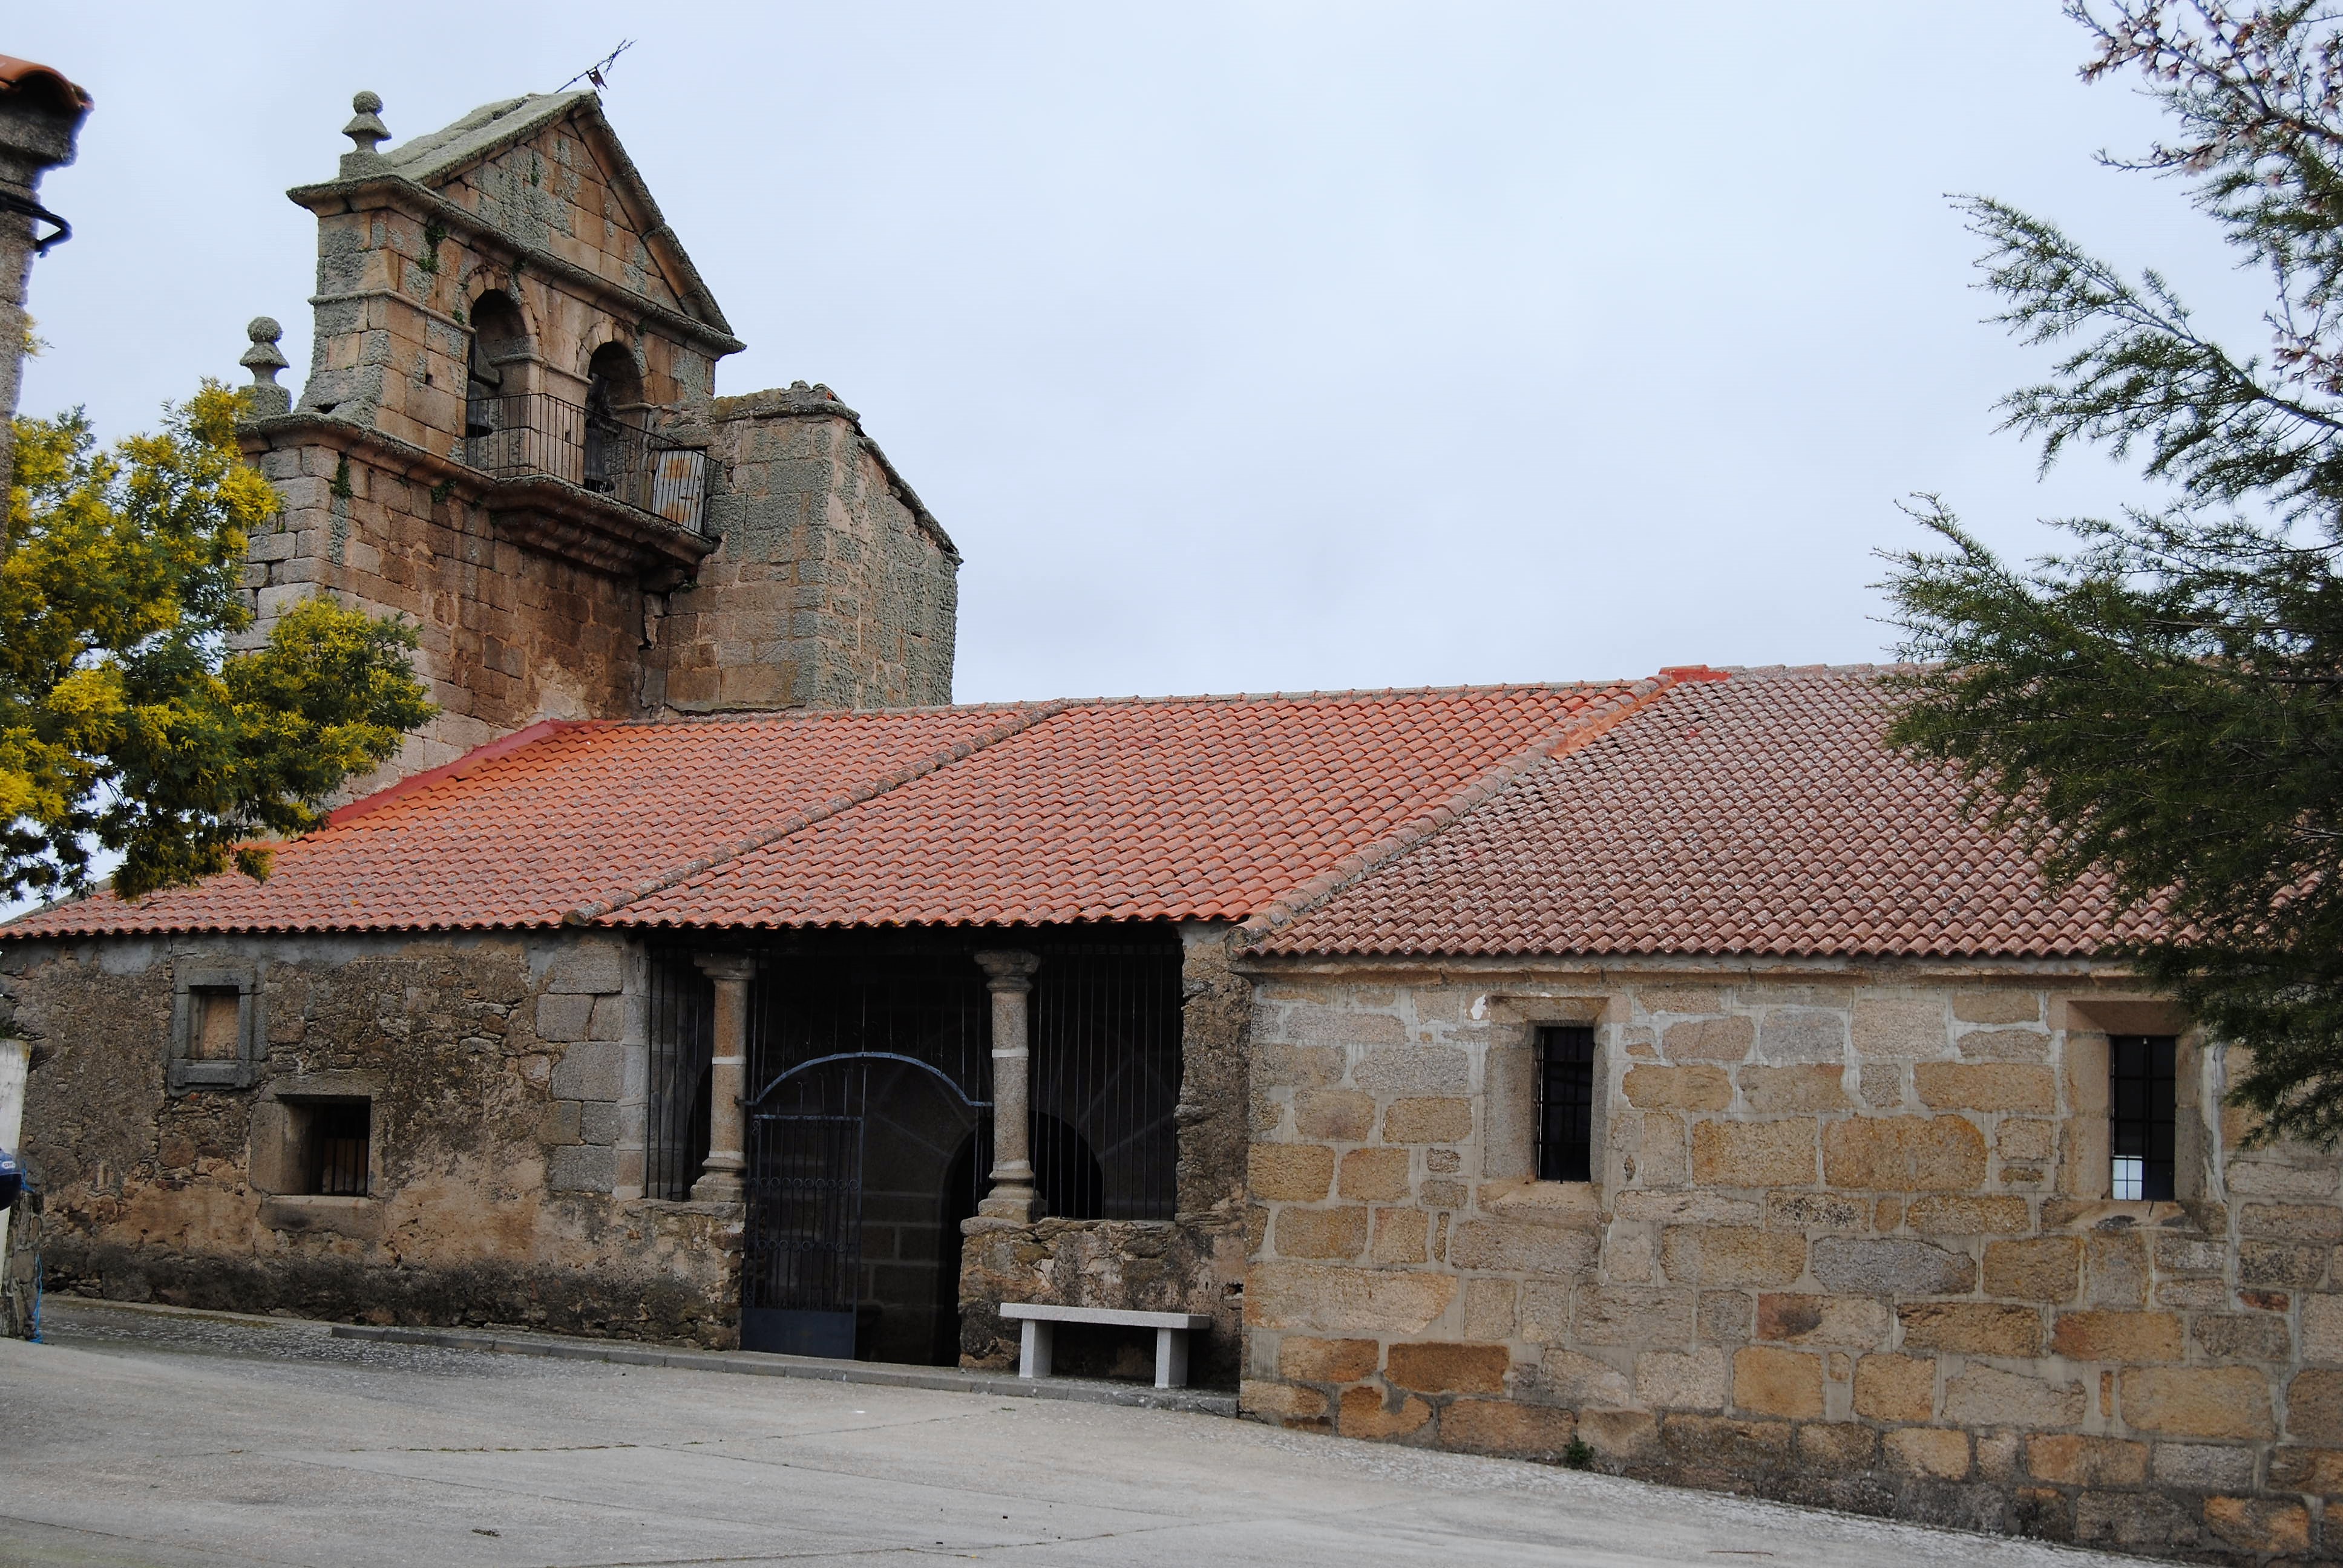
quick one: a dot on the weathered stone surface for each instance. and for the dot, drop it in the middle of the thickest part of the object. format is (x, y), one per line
(1375, 1175)
(1568, 1378)
(1997, 1006)
(1717, 1255)
(1281, 1402)
(2258, 1524)
(1290, 1173)
(1688, 1208)
(1971, 1328)
(1615, 1316)
(2208, 1467)
(1447, 1368)
(2070, 1458)
(1895, 1387)
(2314, 1406)
(1928, 1451)
(1894, 1028)
(1767, 1380)
(2108, 1336)
(1819, 1087)
(1335, 1115)
(1832, 1447)
(2041, 1269)
(1677, 1087)
(1428, 1121)
(1414, 1069)
(2280, 1265)
(1753, 1153)
(1725, 1316)
(2005, 1045)
(1364, 1413)
(1904, 1154)
(2115, 1271)
(1987, 1086)
(1509, 1428)
(1681, 1379)
(2292, 1221)
(1816, 1211)
(1987, 1396)
(2322, 1328)
(2198, 1402)
(1716, 1445)
(1709, 1040)
(1514, 1247)
(1402, 1236)
(1320, 1232)
(1945, 1215)
(2294, 1468)
(590, 1072)
(2243, 1336)
(1328, 1299)
(1890, 1265)
(1857, 1322)
(1307, 1360)
(1489, 1309)
(1802, 1034)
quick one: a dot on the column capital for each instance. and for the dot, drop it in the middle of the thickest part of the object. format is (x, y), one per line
(726, 966)
(1009, 969)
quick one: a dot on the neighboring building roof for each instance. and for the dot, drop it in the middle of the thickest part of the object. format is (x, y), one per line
(1171, 808)
(44, 83)
(1761, 813)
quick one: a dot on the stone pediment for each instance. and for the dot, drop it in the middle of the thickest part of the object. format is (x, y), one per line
(548, 175)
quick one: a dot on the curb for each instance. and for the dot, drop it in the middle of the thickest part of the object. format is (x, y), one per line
(762, 1363)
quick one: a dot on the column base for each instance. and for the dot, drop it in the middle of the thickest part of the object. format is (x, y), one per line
(717, 1187)
(1017, 1207)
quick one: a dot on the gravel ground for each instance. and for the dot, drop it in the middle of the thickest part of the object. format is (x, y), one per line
(159, 1441)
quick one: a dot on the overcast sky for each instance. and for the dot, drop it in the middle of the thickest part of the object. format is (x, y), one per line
(1245, 346)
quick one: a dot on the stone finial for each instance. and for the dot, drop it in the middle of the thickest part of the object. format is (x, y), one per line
(366, 129)
(265, 359)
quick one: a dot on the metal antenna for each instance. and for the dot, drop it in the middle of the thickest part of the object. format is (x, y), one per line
(593, 73)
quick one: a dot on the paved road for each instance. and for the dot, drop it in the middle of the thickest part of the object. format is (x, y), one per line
(170, 1443)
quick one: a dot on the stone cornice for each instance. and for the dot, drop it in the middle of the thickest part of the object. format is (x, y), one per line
(540, 512)
(392, 190)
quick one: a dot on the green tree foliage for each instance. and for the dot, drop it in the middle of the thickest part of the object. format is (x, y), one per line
(126, 724)
(2163, 706)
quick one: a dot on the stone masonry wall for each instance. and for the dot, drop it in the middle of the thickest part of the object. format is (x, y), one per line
(509, 635)
(831, 588)
(1850, 1245)
(1194, 1263)
(506, 1076)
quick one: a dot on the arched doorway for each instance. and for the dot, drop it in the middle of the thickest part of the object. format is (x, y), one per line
(860, 1169)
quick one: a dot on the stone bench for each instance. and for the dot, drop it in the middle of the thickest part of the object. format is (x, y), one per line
(1171, 1331)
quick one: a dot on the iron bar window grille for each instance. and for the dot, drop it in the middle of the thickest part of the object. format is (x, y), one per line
(1106, 1079)
(526, 435)
(1566, 1103)
(339, 1134)
(2143, 1094)
(682, 1045)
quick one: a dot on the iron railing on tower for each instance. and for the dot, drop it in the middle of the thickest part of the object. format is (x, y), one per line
(525, 435)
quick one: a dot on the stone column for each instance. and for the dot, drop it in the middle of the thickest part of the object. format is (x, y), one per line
(728, 1121)
(1010, 977)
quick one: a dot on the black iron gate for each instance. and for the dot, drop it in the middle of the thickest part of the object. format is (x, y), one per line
(801, 1256)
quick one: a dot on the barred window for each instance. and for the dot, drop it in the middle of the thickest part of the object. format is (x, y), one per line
(333, 1139)
(1566, 1103)
(2143, 1091)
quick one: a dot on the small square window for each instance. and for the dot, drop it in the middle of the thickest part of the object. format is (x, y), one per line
(215, 1029)
(2143, 1093)
(1566, 1103)
(335, 1139)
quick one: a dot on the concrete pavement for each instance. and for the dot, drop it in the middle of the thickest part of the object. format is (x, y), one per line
(134, 1441)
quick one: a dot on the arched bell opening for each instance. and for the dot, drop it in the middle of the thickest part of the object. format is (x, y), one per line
(492, 379)
(614, 427)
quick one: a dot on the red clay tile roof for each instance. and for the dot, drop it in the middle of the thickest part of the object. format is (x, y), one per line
(40, 81)
(1758, 814)
(1195, 809)
(522, 835)
(1174, 809)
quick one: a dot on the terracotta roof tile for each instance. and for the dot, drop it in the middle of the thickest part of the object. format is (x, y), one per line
(1759, 814)
(1172, 808)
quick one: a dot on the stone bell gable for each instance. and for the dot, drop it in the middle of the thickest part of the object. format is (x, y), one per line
(509, 435)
